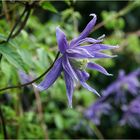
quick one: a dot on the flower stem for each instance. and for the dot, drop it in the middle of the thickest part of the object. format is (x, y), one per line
(22, 85)
(14, 27)
(27, 10)
(122, 12)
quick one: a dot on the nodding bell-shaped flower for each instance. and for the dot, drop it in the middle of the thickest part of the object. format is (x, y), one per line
(96, 110)
(131, 115)
(123, 85)
(75, 59)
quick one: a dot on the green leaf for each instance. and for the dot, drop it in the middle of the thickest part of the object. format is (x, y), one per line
(6, 69)
(121, 23)
(58, 121)
(133, 43)
(68, 2)
(26, 57)
(48, 6)
(12, 56)
(113, 23)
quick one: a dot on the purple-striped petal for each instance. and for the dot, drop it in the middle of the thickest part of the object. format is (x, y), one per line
(85, 75)
(97, 67)
(87, 40)
(68, 68)
(87, 52)
(51, 76)
(84, 84)
(61, 40)
(102, 55)
(86, 31)
(107, 47)
(98, 47)
(69, 87)
(79, 53)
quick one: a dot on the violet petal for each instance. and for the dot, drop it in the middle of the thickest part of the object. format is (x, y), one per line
(102, 55)
(61, 40)
(85, 75)
(79, 53)
(68, 68)
(97, 67)
(98, 47)
(87, 40)
(51, 76)
(84, 84)
(69, 87)
(86, 31)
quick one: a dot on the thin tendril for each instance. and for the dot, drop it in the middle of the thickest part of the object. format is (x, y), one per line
(22, 85)
(14, 27)
(26, 10)
(24, 22)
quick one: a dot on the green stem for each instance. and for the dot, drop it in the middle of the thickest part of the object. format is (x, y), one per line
(122, 12)
(11, 35)
(28, 10)
(14, 27)
(22, 85)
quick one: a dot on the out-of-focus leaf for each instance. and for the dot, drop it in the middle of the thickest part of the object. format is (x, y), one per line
(12, 56)
(121, 23)
(42, 56)
(66, 13)
(26, 57)
(48, 6)
(114, 23)
(58, 121)
(68, 2)
(9, 113)
(6, 69)
(71, 113)
(133, 44)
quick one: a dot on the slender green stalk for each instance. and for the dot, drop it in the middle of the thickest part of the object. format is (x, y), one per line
(11, 35)
(27, 11)
(29, 83)
(14, 27)
(122, 12)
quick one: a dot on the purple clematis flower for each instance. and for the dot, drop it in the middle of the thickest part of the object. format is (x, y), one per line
(125, 83)
(131, 114)
(97, 109)
(75, 58)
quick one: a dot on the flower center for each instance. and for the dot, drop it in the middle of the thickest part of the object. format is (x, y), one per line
(124, 86)
(79, 63)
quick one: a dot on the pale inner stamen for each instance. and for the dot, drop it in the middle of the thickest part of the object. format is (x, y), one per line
(79, 63)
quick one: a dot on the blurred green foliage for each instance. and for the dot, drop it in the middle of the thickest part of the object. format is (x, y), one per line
(34, 50)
